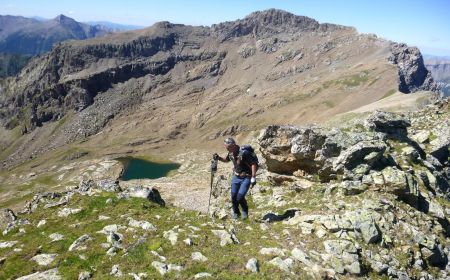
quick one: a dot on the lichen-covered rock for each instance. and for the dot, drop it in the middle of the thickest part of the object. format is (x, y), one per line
(151, 194)
(440, 146)
(51, 274)
(7, 216)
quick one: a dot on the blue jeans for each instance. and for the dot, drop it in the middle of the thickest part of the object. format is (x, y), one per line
(239, 188)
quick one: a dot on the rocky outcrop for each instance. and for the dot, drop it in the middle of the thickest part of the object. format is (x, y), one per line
(270, 22)
(370, 156)
(412, 73)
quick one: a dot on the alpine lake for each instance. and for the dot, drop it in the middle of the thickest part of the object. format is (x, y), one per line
(136, 168)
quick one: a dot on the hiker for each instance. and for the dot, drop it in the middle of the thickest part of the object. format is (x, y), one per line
(245, 164)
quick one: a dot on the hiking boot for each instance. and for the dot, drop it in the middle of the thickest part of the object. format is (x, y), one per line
(244, 215)
(234, 216)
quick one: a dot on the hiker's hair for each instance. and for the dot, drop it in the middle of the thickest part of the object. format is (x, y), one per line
(229, 141)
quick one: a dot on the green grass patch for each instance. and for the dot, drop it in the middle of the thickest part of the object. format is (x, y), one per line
(328, 104)
(388, 93)
(354, 80)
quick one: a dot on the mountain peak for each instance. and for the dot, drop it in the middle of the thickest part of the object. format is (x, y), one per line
(63, 19)
(270, 22)
(278, 17)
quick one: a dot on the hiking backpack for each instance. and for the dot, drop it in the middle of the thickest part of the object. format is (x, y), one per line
(251, 154)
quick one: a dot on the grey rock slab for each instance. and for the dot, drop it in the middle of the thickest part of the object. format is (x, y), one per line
(114, 238)
(225, 237)
(252, 265)
(285, 265)
(160, 267)
(68, 211)
(353, 268)
(306, 228)
(62, 201)
(84, 275)
(103, 218)
(109, 185)
(301, 256)
(188, 241)
(8, 244)
(370, 232)
(139, 276)
(51, 274)
(56, 236)
(272, 251)
(115, 271)
(151, 194)
(44, 259)
(202, 275)
(197, 256)
(7, 216)
(174, 267)
(112, 251)
(78, 244)
(41, 223)
(172, 236)
(141, 224)
(337, 247)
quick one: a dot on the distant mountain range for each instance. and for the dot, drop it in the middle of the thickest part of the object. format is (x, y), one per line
(114, 27)
(22, 38)
(20, 35)
(439, 66)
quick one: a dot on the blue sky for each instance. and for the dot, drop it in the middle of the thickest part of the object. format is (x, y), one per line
(425, 24)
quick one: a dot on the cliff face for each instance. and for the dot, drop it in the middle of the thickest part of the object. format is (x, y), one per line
(277, 61)
(412, 73)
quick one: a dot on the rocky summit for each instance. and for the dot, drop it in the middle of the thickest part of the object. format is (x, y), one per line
(352, 138)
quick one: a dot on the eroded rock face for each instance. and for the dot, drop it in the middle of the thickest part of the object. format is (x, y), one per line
(412, 73)
(379, 156)
(270, 22)
(315, 150)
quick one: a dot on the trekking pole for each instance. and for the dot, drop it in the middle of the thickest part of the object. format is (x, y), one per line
(213, 171)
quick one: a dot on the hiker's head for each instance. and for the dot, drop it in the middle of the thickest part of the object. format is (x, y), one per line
(230, 144)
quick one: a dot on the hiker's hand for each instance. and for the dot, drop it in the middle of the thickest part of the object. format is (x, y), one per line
(215, 156)
(253, 181)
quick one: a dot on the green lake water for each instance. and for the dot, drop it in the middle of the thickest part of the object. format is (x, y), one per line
(135, 168)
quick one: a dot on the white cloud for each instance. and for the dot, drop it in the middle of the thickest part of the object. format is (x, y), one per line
(71, 12)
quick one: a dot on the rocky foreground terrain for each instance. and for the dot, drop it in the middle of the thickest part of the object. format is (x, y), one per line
(366, 199)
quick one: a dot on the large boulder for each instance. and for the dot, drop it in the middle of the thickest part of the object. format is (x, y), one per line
(151, 194)
(440, 146)
(7, 217)
(276, 143)
(315, 150)
(366, 152)
(387, 122)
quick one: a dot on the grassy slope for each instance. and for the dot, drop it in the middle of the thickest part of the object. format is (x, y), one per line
(224, 262)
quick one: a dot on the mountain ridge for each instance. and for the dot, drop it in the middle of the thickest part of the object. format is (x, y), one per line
(206, 67)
